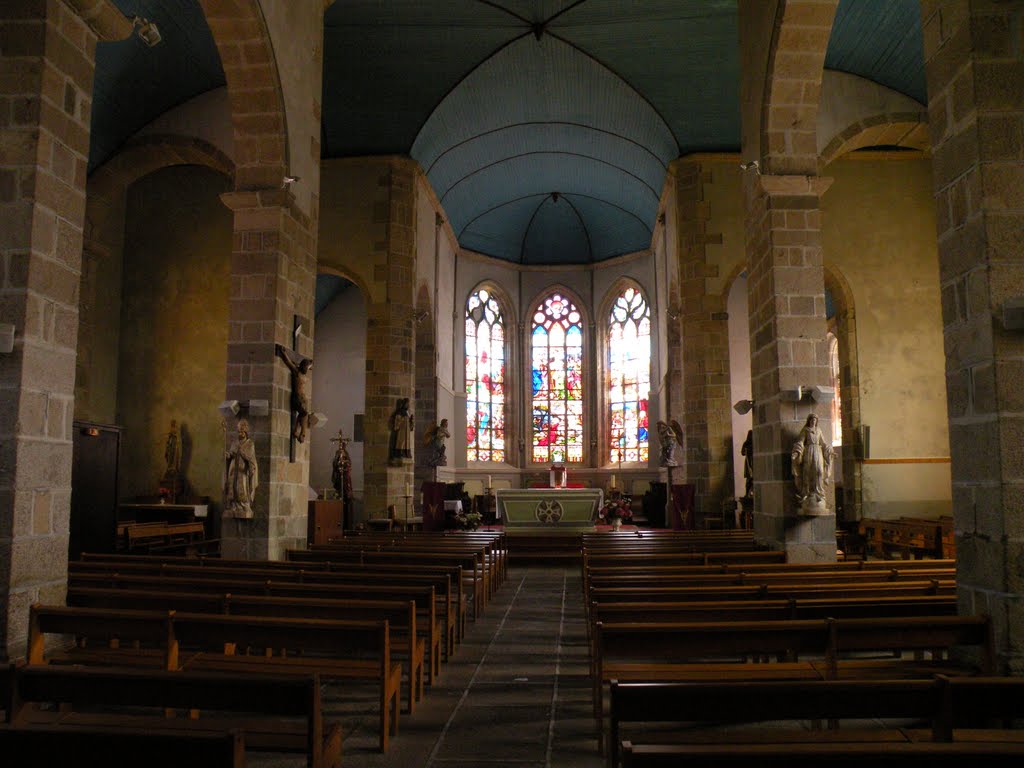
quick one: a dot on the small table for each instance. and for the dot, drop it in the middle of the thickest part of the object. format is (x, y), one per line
(380, 523)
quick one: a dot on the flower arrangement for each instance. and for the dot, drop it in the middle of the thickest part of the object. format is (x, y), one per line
(618, 508)
(468, 521)
(165, 494)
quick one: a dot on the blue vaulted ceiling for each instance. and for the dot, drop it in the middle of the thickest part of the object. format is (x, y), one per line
(544, 126)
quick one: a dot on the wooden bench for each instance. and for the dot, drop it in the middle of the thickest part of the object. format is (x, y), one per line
(944, 704)
(348, 650)
(683, 652)
(843, 755)
(100, 747)
(252, 583)
(910, 536)
(276, 713)
(401, 616)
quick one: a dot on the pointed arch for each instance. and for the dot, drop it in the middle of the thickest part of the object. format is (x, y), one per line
(487, 316)
(625, 380)
(843, 323)
(557, 344)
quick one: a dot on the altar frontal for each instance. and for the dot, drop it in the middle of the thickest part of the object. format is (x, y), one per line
(554, 509)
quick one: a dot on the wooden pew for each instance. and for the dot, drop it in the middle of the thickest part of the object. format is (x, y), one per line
(843, 755)
(348, 650)
(253, 583)
(306, 568)
(401, 616)
(678, 558)
(277, 713)
(683, 652)
(944, 704)
(103, 747)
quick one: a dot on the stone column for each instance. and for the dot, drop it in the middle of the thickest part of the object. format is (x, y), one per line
(47, 61)
(426, 391)
(788, 350)
(391, 338)
(273, 279)
(705, 346)
(974, 62)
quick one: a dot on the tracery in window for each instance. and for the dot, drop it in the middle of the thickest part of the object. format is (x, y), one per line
(556, 345)
(485, 378)
(629, 376)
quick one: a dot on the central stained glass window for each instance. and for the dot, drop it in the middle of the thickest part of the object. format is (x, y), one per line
(557, 377)
(629, 376)
(485, 378)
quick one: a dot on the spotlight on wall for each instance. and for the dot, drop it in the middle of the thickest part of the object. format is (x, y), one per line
(146, 31)
(743, 407)
(287, 181)
(752, 164)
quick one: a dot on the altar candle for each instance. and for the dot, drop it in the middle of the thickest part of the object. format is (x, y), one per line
(408, 489)
(613, 481)
(488, 481)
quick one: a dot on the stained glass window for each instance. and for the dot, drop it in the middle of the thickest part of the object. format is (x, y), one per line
(629, 376)
(485, 378)
(557, 381)
(833, 368)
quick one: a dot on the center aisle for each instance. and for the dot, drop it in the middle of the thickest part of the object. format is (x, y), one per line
(516, 692)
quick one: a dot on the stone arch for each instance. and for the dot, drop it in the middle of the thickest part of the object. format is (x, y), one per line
(855, 112)
(792, 88)
(103, 237)
(254, 89)
(845, 328)
(349, 275)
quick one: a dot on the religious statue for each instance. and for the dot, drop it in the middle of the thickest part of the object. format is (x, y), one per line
(172, 449)
(434, 441)
(812, 467)
(302, 414)
(671, 436)
(401, 425)
(241, 476)
(172, 485)
(747, 451)
(341, 468)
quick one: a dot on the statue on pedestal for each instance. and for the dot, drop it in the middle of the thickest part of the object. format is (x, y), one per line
(812, 468)
(434, 441)
(671, 437)
(747, 451)
(341, 469)
(241, 477)
(401, 425)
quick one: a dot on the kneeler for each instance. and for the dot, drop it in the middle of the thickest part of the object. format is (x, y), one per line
(682, 506)
(433, 506)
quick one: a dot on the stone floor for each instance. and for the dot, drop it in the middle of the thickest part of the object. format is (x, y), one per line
(516, 692)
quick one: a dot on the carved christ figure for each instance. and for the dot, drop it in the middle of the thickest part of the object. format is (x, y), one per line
(301, 410)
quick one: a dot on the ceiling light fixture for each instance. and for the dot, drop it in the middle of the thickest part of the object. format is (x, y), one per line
(146, 31)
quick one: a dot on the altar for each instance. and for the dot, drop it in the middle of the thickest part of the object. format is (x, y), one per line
(550, 509)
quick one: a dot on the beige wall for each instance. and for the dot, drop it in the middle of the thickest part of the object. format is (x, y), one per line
(173, 352)
(879, 233)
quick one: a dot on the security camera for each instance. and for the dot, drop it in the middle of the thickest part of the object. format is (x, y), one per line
(752, 164)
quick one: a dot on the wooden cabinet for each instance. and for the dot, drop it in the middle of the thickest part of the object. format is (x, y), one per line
(326, 520)
(95, 452)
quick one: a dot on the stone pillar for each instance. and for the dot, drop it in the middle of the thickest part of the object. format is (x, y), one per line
(705, 346)
(273, 279)
(391, 337)
(426, 391)
(47, 61)
(788, 349)
(974, 61)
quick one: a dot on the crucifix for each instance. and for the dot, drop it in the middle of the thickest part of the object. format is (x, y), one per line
(300, 366)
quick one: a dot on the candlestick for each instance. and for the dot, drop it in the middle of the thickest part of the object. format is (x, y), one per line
(408, 489)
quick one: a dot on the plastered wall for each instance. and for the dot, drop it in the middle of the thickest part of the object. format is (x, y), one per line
(880, 232)
(173, 350)
(339, 388)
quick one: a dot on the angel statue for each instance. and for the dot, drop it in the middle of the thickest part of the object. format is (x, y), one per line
(434, 440)
(671, 436)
